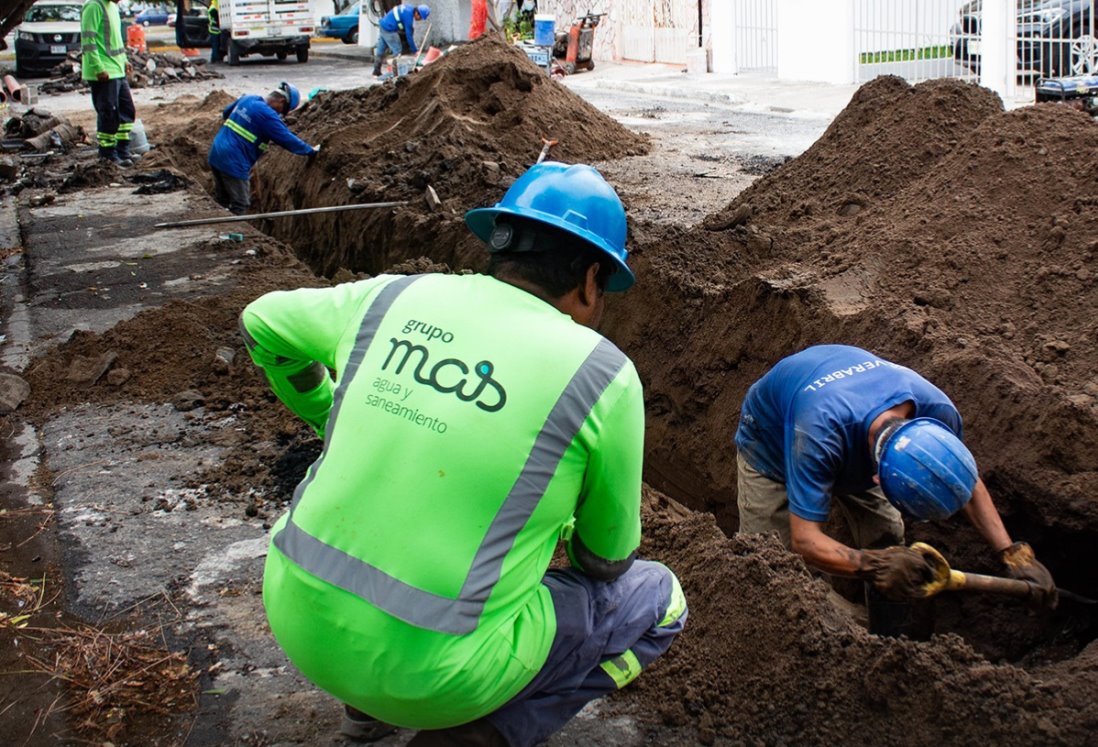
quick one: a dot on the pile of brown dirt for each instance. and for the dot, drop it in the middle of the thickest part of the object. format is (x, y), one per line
(973, 264)
(767, 659)
(466, 125)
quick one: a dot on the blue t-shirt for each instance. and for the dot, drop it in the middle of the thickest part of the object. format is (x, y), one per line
(249, 125)
(806, 422)
(401, 18)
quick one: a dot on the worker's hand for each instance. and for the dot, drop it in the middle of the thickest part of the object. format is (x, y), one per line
(129, 70)
(1022, 564)
(897, 572)
(102, 76)
(316, 149)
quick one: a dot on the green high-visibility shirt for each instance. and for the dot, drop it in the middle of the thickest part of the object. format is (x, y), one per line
(470, 427)
(101, 44)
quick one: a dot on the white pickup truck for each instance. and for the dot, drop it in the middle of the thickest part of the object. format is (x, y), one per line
(268, 27)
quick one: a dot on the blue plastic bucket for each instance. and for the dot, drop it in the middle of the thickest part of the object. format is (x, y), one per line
(545, 28)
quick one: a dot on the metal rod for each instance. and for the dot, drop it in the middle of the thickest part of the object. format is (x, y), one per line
(279, 214)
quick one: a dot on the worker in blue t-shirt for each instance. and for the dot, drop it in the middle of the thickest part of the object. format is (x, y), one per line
(250, 123)
(396, 30)
(838, 424)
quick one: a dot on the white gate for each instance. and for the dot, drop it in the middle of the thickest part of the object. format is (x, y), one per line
(659, 30)
(754, 34)
(916, 39)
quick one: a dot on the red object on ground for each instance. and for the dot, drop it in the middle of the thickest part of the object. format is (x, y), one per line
(189, 52)
(432, 54)
(479, 19)
(135, 37)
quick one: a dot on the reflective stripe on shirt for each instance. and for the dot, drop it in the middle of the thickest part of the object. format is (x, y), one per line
(424, 609)
(240, 130)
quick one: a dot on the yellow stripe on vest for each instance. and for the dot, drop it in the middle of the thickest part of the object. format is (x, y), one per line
(239, 130)
(622, 669)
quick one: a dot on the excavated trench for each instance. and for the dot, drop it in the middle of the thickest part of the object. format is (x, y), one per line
(926, 225)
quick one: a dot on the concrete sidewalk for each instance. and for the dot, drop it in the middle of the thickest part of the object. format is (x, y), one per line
(749, 92)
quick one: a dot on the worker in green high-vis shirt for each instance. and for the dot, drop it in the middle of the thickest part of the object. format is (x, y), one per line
(104, 66)
(473, 422)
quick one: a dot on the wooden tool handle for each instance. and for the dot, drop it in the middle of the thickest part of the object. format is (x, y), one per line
(959, 580)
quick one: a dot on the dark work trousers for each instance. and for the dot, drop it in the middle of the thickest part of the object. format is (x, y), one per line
(114, 110)
(606, 633)
(232, 193)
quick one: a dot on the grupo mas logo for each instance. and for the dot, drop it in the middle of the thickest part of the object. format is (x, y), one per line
(449, 375)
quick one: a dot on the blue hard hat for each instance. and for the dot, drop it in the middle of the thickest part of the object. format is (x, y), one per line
(575, 199)
(924, 469)
(293, 96)
(423, 11)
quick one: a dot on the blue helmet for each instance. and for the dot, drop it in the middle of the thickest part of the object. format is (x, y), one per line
(575, 199)
(924, 469)
(423, 11)
(290, 92)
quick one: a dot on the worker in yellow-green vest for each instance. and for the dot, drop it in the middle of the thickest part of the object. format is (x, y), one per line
(104, 66)
(474, 422)
(213, 16)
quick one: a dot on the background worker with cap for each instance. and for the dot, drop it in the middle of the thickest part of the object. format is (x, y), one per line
(462, 441)
(213, 26)
(395, 28)
(104, 65)
(838, 422)
(250, 123)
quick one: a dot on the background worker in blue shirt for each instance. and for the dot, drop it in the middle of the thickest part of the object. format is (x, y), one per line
(838, 423)
(396, 29)
(250, 123)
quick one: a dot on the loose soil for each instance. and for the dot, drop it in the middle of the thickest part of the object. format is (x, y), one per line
(926, 224)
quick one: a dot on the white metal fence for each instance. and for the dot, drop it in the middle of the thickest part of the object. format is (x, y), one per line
(915, 39)
(755, 34)
(922, 39)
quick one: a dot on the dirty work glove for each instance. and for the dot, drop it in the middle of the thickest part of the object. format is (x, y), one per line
(897, 572)
(102, 76)
(1022, 564)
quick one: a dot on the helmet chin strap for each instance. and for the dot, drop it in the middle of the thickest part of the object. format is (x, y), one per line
(883, 435)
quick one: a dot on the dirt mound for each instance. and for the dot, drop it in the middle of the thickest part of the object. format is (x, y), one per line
(974, 265)
(182, 132)
(767, 659)
(466, 125)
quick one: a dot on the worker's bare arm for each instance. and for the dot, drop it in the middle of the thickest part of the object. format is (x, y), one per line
(983, 515)
(821, 551)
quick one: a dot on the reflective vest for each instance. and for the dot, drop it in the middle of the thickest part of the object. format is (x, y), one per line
(101, 45)
(471, 427)
(213, 14)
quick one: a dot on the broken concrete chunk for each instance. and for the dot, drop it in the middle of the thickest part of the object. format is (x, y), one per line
(188, 400)
(118, 376)
(223, 360)
(433, 203)
(13, 391)
(9, 168)
(88, 370)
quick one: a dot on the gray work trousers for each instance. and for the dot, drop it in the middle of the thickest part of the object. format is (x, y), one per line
(764, 507)
(232, 193)
(606, 634)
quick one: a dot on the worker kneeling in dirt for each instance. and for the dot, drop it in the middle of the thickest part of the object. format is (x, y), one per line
(474, 422)
(250, 123)
(838, 421)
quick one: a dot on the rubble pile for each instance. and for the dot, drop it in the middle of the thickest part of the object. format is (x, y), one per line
(149, 69)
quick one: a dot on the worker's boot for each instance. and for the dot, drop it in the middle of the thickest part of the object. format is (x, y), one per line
(125, 157)
(110, 155)
(377, 68)
(479, 733)
(359, 727)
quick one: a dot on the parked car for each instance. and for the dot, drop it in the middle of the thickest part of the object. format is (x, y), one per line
(1055, 37)
(49, 31)
(152, 17)
(343, 25)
